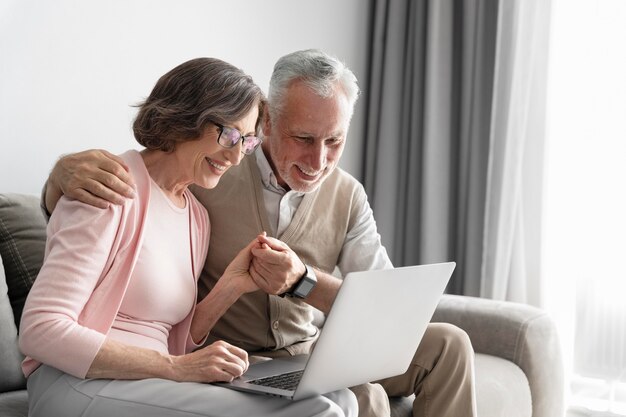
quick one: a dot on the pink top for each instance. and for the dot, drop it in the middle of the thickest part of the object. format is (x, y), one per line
(162, 288)
(90, 256)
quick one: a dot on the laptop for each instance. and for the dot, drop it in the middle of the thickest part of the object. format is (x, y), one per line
(372, 332)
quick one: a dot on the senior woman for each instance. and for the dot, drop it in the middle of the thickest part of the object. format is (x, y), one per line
(111, 326)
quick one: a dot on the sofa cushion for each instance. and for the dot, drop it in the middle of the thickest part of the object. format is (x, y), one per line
(22, 244)
(503, 388)
(10, 357)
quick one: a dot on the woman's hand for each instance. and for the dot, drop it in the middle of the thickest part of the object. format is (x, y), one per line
(218, 362)
(235, 282)
(238, 271)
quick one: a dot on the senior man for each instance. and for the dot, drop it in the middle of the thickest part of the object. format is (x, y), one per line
(292, 189)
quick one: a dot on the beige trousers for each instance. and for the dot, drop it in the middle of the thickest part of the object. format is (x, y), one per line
(441, 376)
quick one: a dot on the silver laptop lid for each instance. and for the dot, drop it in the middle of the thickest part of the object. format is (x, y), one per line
(374, 327)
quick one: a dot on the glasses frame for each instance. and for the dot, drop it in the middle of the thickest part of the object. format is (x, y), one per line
(242, 138)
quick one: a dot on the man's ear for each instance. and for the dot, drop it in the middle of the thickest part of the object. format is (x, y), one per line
(267, 124)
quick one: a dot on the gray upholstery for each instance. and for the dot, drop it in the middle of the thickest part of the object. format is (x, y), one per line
(519, 369)
(519, 333)
(14, 404)
(505, 384)
(518, 364)
(22, 244)
(10, 357)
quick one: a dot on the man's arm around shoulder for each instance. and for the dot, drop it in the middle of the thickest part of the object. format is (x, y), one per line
(95, 177)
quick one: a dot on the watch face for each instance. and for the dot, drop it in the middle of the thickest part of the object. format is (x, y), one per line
(305, 287)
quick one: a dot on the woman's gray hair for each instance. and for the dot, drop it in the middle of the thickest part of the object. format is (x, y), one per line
(192, 96)
(319, 71)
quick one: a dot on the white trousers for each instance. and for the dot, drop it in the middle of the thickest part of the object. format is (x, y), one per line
(53, 393)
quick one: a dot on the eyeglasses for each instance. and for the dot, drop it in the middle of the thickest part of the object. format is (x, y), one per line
(229, 137)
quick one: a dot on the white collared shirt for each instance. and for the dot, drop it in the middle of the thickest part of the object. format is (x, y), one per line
(362, 248)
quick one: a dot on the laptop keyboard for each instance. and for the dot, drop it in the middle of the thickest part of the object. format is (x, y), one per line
(288, 381)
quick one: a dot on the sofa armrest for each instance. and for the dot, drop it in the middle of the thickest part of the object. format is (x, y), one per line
(522, 334)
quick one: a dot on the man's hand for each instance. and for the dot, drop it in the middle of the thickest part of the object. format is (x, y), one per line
(95, 177)
(275, 267)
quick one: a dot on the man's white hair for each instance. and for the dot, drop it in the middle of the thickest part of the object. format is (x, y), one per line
(321, 72)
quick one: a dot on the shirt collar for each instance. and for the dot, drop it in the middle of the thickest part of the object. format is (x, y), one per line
(270, 182)
(267, 174)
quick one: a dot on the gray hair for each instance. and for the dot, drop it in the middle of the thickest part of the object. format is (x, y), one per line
(192, 96)
(319, 71)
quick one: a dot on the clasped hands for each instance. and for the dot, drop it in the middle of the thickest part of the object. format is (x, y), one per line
(266, 264)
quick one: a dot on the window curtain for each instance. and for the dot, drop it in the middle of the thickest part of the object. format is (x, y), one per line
(585, 223)
(454, 138)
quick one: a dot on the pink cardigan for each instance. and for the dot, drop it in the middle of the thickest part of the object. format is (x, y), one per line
(90, 256)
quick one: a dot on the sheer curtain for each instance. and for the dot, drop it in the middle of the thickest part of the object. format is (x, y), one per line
(585, 198)
(454, 138)
(512, 241)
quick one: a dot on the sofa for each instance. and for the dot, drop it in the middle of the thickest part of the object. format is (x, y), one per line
(519, 370)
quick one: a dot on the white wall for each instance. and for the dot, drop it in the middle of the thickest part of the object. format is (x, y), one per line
(71, 69)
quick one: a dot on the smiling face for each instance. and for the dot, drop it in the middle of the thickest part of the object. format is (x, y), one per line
(305, 142)
(207, 159)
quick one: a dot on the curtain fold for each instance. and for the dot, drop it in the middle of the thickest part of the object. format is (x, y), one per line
(512, 238)
(444, 160)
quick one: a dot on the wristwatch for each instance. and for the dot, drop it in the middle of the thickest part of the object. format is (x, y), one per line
(305, 285)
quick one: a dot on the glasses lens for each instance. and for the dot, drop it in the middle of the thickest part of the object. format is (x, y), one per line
(250, 143)
(229, 137)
